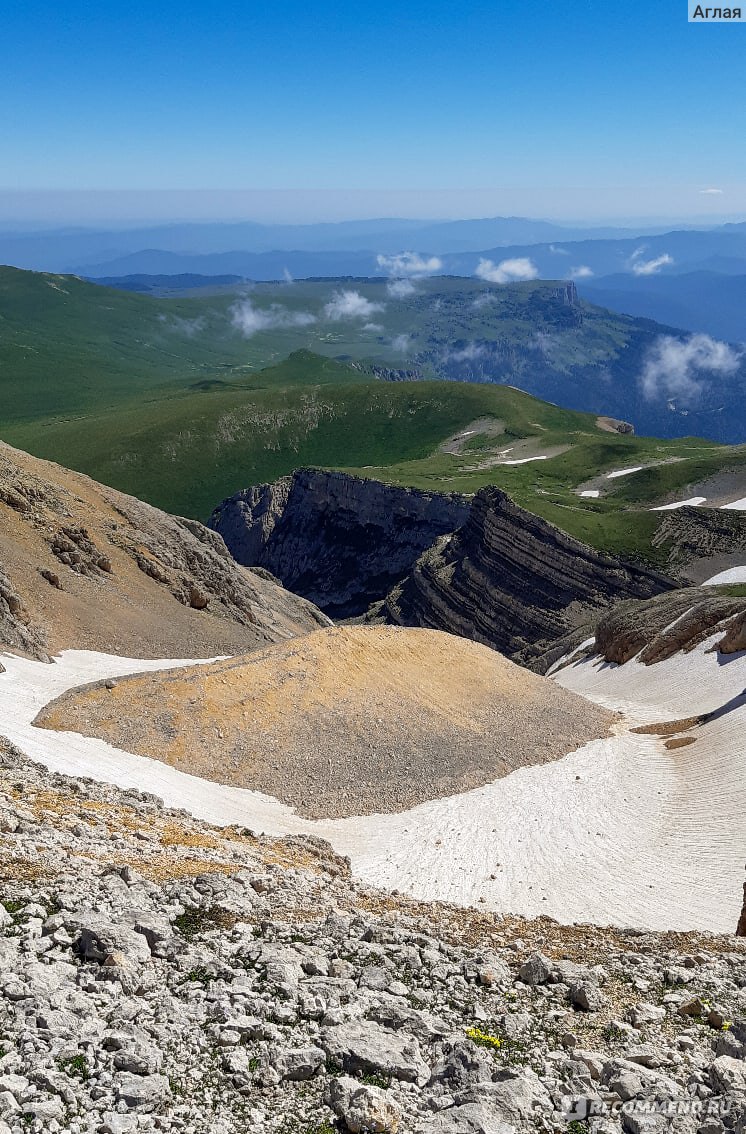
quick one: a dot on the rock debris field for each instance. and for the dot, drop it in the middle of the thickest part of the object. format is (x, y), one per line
(159, 974)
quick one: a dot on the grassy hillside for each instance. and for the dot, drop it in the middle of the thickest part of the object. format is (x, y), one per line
(188, 450)
(68, 346)
(167, 400)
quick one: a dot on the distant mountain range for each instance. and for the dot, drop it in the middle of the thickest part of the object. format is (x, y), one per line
(91, 252)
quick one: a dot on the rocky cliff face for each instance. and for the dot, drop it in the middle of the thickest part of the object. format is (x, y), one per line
(514, 582)
(83, 566)
(702, 541)
(338, 540)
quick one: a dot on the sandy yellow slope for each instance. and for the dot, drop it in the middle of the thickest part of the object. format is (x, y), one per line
(83, 566)
(344, 721)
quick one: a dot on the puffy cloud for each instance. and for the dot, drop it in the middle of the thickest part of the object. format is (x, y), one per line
(401, 343)
(348, 304)
(373, 327)
(558, 251)
(642, 267)
(679, 367)
(485, 299)
(409, 264)
(470, 353)
(400, 289)
(582, 272)
(249, 319)
(188, 327)
(507, 271)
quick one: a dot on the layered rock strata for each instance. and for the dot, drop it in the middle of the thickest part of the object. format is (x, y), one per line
(514, 582)
(341, 541)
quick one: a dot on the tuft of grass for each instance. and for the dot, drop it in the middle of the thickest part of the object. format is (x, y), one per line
(196, 920)
(75, 1066)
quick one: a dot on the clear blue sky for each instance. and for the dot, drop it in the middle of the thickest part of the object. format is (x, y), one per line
(559, 104)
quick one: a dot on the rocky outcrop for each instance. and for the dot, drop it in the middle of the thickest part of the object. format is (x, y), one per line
(83, 566)
(514, 582)
(700, 542)
(339, 540)
(654, 631)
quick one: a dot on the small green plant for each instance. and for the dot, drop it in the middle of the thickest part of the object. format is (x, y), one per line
(727, 1025)
(376, 1079)
(615, 1034)
(253, 1063)
(75, 1066)
(196, 920)
(200, 975)
(577, 1127)
(484, 1039)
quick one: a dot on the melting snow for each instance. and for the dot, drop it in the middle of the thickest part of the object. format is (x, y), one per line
(624, 472)
(525, 460)
(619, 831)
(736, 505)
(734, 575)
(693, 503)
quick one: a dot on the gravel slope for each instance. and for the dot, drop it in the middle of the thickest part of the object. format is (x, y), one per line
(348, 721)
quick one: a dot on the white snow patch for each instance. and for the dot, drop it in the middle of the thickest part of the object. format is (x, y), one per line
(591, 492)
(619, 832)
(736, 505)
(525, 460)
(624, 472)
(734, 575)
(694, 502)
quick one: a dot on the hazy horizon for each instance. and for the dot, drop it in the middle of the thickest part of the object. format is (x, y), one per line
(34, 210)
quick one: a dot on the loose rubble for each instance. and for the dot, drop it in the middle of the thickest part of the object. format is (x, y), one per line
(159, 974)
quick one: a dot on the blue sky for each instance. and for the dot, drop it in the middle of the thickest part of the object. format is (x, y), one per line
(615, 106)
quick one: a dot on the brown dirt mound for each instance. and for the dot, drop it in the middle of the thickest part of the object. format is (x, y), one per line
(345, 721)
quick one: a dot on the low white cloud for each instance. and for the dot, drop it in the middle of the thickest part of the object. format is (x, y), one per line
(188, 327)
(486, 299)
(470, 353)
(249, 320)
(678, 368)
(507, 271)
(348, 304)
(401, 343)
(287, 276)
(373, 327)
(582, 272)
(409, 264)
(712, 192)
(555, 248)
(400, 289)
(641, 267)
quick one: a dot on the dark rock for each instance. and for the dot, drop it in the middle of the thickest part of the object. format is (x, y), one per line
(514, 582)
(338, 540)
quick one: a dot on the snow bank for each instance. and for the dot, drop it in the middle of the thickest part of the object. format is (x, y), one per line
(620, 831)
(624, 472)
(733, 575)
(694, 502)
